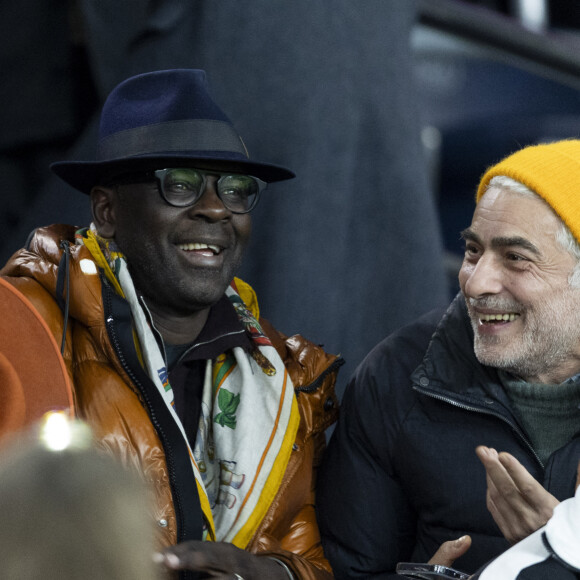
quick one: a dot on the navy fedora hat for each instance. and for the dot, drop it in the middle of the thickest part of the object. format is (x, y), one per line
(164, 118)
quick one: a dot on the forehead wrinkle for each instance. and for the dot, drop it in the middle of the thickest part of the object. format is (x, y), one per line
(503, 241)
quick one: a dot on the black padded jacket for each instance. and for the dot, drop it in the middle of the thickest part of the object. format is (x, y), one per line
(400, 475)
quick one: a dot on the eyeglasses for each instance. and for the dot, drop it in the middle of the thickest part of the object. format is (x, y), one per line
(184, 187)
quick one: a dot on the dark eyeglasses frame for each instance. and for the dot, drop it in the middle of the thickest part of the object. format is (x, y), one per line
(157, 176)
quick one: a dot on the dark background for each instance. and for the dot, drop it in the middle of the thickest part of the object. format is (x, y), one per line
(387, 120)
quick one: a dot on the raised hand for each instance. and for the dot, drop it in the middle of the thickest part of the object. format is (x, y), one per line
(518, 503)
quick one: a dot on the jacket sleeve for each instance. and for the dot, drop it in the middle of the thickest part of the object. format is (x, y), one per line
(365, 518)
(294, 538)
(289, 532)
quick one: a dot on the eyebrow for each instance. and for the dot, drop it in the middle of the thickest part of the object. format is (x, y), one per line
(502, 241)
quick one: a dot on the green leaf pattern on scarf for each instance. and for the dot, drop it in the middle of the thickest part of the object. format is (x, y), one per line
(228, 404)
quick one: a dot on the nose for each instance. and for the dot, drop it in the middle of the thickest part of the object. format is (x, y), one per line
(481, 278)
(209, 204)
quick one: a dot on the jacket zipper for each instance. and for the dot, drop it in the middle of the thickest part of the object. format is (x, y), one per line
(318, 381)
(483, 412)
(109, 320)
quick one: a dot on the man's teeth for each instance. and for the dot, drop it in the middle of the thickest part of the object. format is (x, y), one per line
(197, 246)
(500, 317)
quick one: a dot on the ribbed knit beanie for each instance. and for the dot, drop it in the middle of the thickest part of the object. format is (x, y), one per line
(552, 171)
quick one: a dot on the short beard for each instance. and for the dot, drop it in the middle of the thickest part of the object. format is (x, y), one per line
(551, 336)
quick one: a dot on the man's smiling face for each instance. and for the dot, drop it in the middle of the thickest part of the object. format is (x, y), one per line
(525, 315)
(181, 259)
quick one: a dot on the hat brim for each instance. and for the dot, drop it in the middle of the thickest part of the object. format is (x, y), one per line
(84, 175)
(31, 385)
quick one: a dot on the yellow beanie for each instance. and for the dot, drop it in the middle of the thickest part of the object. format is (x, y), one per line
(552, 171)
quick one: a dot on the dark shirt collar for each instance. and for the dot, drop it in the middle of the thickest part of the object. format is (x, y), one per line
(221, 332)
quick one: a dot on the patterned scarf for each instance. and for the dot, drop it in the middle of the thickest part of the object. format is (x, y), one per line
(249, 415)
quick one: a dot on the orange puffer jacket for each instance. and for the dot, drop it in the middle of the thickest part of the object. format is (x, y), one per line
(109, 395)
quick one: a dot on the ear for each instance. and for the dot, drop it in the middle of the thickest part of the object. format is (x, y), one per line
(103, 204)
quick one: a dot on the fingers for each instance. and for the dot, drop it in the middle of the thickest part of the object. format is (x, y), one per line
(517, 502)
(508, 481)
(528, 488)
(496, 507)
(494, 468)
(176, 558)
(219, 560)
(449, 551)
(502, 492)
(199, 556)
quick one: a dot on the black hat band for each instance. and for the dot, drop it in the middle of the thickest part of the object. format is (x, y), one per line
(182, 135)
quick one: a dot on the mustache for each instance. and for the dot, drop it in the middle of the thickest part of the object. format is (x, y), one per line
(495, 303)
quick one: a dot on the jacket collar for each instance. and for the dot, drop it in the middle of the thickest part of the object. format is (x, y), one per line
(450, 369)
